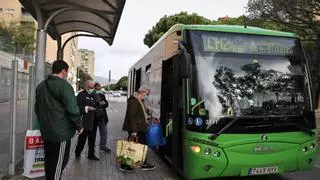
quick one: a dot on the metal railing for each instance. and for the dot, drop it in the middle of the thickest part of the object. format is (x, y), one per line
(14, 103)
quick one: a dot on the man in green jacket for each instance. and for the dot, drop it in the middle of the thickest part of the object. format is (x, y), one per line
(59, 117)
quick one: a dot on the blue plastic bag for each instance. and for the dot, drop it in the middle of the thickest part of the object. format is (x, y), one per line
(154, 135)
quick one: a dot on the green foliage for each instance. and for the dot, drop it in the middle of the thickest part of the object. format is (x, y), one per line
(83, 76)
(121, 84)
(17, 36)
(299, 16)
(166, 22)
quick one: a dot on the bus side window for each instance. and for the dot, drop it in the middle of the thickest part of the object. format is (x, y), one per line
(137, 79)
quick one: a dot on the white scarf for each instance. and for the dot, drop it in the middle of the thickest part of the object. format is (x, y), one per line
(143, 107)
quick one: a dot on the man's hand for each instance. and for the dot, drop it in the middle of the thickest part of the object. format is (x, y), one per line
(91, 108)
(102, 103)
(80, 131)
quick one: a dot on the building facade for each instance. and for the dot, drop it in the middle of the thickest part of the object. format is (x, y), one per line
(87, 61)
(13, 11)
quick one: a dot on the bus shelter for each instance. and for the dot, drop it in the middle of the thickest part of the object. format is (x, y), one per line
(97, 18)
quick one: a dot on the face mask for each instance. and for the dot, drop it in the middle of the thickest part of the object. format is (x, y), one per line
(145, 97)
(90, 91)
(98, 91)
(65, 77)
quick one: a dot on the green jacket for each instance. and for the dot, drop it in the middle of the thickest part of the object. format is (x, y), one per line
(58, 114)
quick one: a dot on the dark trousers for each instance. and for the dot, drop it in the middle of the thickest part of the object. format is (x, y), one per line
(56, 158)
(91, 136)
(141, 140)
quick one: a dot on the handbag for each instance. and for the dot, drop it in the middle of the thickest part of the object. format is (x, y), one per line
(131, 153)
(154, 135)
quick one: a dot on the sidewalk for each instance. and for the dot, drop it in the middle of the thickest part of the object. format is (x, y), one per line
(107, 167)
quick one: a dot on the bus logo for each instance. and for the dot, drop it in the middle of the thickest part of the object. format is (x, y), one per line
(264, 137)
(264, 149)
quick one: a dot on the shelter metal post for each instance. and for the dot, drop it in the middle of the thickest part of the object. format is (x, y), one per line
(59, 50)
(41, 55)
(13, 104)
(31, 97)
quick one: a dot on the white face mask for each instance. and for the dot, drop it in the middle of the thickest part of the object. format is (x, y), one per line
(65, 77)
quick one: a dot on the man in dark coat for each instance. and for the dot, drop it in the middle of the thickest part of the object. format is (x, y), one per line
(135, 123)
(102, 117)
(87, 105)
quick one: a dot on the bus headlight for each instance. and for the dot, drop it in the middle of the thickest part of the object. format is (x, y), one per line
(312, 146)
(305, 149)
(195, 149)
(207, 151)
(216, 154)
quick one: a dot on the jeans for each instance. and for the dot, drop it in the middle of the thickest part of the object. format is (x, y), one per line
(103, 131)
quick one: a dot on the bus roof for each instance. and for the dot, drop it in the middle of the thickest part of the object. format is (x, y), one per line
(238, 29)
(221, 28)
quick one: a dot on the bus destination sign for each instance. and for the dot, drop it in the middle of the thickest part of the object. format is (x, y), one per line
(248, 45)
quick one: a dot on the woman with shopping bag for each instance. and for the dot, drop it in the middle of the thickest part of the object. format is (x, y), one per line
(136, 125)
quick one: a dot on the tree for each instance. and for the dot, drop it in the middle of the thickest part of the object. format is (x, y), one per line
(83, 76)
(166, 22)
(123, 83)
(300, 16)
(17, 36)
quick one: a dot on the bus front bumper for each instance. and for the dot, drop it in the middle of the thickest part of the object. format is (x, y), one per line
(205, 161)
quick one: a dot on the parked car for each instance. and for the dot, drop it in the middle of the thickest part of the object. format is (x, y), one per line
(116, 94)
(124, 93)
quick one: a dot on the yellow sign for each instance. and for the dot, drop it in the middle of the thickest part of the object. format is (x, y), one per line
(202, 112)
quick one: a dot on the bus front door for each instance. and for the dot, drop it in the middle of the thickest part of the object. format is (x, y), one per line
(170, 113)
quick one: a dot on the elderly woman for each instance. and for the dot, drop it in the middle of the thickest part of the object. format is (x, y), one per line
(135, 122)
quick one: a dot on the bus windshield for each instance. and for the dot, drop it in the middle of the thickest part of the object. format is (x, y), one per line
(258, 80)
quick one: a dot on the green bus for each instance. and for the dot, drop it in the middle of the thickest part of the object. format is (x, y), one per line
(232, 100)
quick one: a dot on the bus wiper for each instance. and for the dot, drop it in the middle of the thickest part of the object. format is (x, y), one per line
(309, 131)
(214, 136)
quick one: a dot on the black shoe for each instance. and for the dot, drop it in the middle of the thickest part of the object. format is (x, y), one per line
(105, 149)
(126, 168)
(93, 158)
(147, 167)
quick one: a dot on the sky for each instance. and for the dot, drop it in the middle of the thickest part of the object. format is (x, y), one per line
(137, 19)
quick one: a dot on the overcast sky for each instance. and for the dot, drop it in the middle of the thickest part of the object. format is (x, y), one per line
(138, 17)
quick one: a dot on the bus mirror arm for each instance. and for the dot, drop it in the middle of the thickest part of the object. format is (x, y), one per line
(185, 63)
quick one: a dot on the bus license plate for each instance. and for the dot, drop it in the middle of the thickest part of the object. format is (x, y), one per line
(264, 170)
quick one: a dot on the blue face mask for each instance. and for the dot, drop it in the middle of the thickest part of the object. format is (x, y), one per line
(98, 91)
